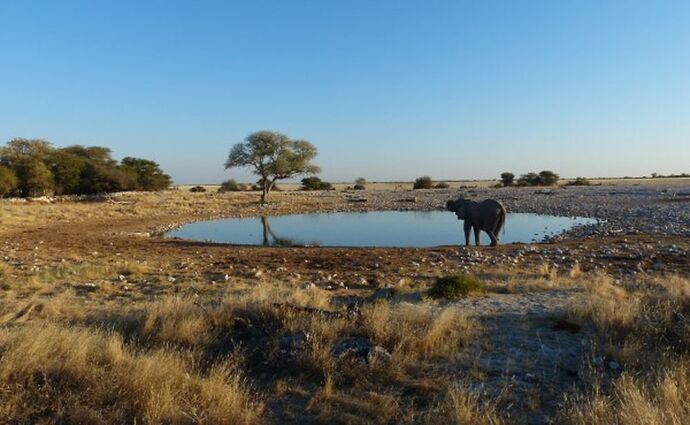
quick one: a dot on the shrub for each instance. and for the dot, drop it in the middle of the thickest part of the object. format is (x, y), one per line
(455, 286)
(8, 181)
(529, 179)
(544, 178)
(147, 173)
(423, 182)
(232, 186)
(360, 183)
(548, 178)
(315, 183)
(580, 181)
(507, 178)
(197, 189)
(442, 185)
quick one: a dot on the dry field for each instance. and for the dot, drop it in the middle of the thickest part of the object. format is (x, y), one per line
(102, 323)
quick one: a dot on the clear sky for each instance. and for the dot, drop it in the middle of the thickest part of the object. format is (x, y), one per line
(387, 90)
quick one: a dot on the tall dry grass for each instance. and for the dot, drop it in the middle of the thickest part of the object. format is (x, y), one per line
(50, 373)
(643, 324)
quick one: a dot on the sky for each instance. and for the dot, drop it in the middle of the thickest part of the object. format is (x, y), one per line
(386, 90)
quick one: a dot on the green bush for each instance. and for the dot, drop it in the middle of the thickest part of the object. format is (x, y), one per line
(232, 186)
(315, 183)
(507, 178)
(548, 178)
(455, 286)
(441, 185)
(544, 178)
(8, 181)
(423, 182)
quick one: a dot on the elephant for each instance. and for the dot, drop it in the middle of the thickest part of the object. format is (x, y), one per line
(488, 215)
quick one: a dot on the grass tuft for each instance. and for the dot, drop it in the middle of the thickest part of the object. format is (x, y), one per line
(456, 286)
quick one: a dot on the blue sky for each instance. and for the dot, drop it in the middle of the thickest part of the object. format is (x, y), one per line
(388, 90)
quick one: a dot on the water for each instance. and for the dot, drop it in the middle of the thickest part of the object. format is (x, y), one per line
(368, 229)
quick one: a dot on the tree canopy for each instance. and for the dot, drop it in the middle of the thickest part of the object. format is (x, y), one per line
(40, 169)
(273, 156)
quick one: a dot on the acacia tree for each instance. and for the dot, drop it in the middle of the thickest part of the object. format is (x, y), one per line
(273, 156)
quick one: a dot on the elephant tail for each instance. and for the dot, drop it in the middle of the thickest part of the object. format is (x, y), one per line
(500, 223)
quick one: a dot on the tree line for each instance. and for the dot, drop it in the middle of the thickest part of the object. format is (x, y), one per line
(33, 167)
(543, 178)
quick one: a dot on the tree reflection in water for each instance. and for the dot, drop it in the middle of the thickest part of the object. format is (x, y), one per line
(270, 238)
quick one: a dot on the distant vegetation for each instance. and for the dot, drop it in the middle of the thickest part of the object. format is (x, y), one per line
(423, 182)
(507, 179)
(360, 183)
(544, 178)
(32, 168)
(232, 186)
(579, 181)
(273, 156)
(661, 176)
(315, 183)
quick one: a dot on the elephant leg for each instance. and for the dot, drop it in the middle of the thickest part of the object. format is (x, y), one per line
(494, 239)
(466, 228)
(476, 235)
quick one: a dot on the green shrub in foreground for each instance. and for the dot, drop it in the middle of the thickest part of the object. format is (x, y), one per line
(455, 286)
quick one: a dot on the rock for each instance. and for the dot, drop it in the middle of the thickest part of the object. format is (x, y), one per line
(360, 348)
(614, 365)
(382, 294)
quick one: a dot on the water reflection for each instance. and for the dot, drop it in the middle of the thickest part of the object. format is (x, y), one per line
(270, 238)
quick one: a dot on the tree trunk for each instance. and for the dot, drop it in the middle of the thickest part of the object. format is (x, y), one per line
(264, 195)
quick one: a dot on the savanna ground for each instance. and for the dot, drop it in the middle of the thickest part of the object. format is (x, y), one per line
(100, 322)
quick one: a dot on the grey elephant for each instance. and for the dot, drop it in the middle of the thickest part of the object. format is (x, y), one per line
(488, 215)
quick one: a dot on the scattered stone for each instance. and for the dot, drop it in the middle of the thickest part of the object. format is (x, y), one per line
(360, 348)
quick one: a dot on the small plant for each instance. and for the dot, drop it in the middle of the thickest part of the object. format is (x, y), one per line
(232, 186)
(315, 183)
(456, 286)
(423, 182)
(441, 185)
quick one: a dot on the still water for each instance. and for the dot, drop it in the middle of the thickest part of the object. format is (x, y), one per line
(368, 229)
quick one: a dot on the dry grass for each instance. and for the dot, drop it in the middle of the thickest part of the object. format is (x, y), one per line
(611, 308)
(462, 406)
(652, 400)
(419, 331)
(641, 324)
(54, 374)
